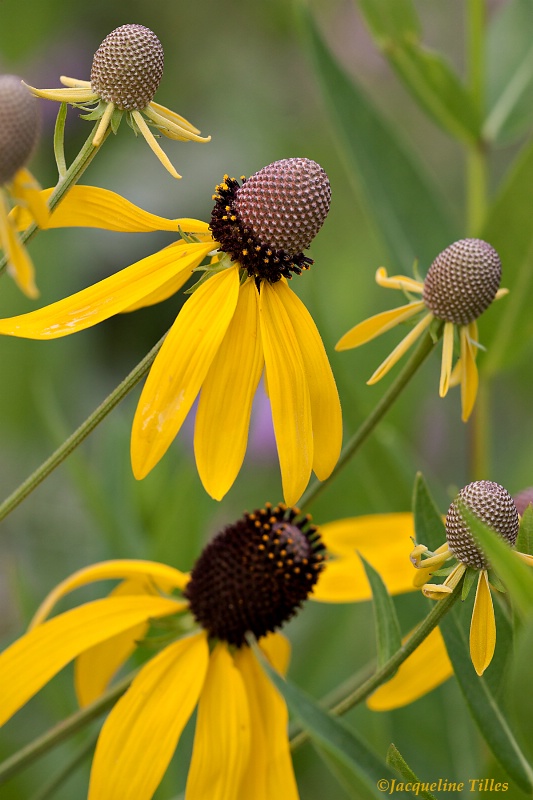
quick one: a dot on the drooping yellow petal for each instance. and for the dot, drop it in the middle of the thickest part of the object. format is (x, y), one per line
(400, 349)
(171, 128)
(378, 324)
(289, 394)
(423, 671)
(483, 626)
(19, 262)
(525, 557)
(469, 375)
(26, 188)
(165, 112)
(326, 412)
(181, 367)
(270, 773)
(164, 291)
(153, 144)
(92, 207)
(28, 664)
(74, 83)
(402, 282)
(94, 668)
(142, 731)
(447, 358)
(154, 574)
(108, 297)
(222, 739)
(384, 540)
(103, 125)
(223, 416)
(70, 95)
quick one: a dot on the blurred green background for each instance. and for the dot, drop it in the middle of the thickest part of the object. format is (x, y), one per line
(239, 71)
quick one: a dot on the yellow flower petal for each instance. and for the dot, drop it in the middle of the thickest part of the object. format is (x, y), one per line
(289, 393)
(222, 739)
(378, 324)
(447, 357)
(167, 113)
(92, 207)
(28, 664)
(108, 297)
(469, 376)
(423, 671)
(74, 83)
(152, 143)
(154, 574)
(398, 282)
(223, 416)
(400, 349)
(94, 668)
(482, 627)
(326, 412)
(19, 262)
(70, 95)
(166, 290)
(142, 731)
(103, 125)
(181, 367)
(384, 540)
(270, 773)
(26, 188)
(171, 128)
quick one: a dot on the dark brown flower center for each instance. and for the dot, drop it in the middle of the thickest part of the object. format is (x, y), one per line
(462, 281)
(19, 126)
(494, 506)
(255, 574)
(127, 67)
(266, 223)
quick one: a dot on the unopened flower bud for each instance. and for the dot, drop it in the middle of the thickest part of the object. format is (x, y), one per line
(19, 126)
(493, 506)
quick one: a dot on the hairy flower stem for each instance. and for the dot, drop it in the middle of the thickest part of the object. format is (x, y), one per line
(389, 667)
(365, 429)
(80, 434)
(68, 179)
(63, 730)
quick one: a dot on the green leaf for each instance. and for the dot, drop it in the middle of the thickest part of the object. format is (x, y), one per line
(429, 526)
(471, 576)
(524, 541)
(397, 762)
(519, 691)
(424, 73)
(388, 632)
(483, 706)
(409, 211)
(391, 20)
(510, 72)
(329, 733)
(516, 575)
(509, 230)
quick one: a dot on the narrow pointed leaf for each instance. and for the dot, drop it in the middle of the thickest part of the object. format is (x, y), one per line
(330, 733)
(409, 211)
(397, 762)
(483, 706)
(510, 72)
(388, 634)
(424, 73)
(429, 526)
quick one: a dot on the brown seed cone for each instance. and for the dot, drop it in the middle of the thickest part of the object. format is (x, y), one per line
(462, 281)
(127, 67)
(285, 204)
(19, 126)
(494, 506)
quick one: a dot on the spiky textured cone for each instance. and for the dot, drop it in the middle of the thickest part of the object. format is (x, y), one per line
(285, 204)
(127, 67)
(494, 506)
(255, 574)
(462, 281)
(19, 126)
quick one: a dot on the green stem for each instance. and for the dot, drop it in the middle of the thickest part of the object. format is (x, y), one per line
(360, 436)
(80, 434)
(63, 730)
(49, 789)
(71, 176)
(476, 155)
(389, 668)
